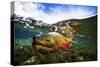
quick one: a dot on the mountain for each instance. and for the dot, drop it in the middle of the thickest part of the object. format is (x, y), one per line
(28, 22)
(83, 27)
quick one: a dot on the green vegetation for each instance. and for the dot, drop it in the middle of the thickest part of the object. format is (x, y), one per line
(28, 55)
(88, 27)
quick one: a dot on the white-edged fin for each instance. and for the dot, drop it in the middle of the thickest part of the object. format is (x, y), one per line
(54, 33)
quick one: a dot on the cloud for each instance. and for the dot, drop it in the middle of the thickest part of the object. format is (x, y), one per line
(58, 13)
(26, 9)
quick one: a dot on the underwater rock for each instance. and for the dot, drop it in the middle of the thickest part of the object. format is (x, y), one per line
(52, 41)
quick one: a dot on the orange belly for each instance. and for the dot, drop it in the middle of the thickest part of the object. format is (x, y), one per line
(64, 45)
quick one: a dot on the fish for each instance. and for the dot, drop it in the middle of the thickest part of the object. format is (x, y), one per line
(52, 41)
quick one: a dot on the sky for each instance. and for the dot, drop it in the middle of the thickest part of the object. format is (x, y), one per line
(52, 13)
